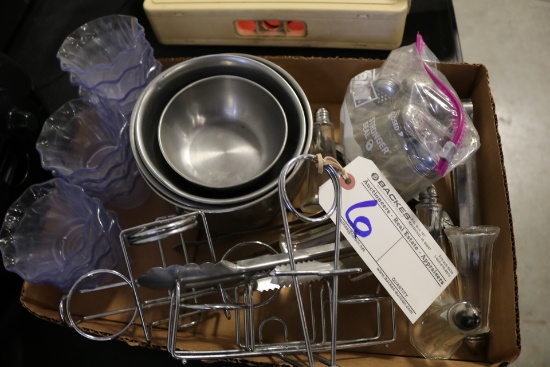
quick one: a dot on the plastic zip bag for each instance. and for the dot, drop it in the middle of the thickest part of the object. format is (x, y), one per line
(408, 120)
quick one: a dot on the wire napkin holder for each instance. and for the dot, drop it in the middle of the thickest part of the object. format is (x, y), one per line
(187, 294)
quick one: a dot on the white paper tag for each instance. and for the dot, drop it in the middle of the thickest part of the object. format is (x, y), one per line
(390, 239)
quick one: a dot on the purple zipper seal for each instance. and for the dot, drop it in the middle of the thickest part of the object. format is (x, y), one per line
(459, 120)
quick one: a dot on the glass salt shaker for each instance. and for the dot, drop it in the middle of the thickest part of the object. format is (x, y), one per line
(322, 143)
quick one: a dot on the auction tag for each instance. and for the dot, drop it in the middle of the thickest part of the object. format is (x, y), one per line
(389, 238)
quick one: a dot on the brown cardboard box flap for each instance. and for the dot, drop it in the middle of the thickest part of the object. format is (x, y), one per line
(324, 81)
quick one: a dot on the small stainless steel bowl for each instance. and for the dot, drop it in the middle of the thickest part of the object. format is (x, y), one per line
(222, 132)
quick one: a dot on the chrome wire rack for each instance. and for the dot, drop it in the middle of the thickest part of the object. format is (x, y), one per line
(205, 302)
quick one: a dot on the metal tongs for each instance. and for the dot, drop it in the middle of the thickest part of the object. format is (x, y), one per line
(208, 274)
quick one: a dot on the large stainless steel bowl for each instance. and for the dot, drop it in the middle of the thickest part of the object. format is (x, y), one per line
(255, 205)
(160, 91)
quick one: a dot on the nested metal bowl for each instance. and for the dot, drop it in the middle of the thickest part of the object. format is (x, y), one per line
(152, 102)
(222, 132)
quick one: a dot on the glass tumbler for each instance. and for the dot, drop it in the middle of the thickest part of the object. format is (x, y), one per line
(102, 49)
(90, 147)
(54, 233)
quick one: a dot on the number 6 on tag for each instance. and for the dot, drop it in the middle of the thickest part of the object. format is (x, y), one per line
(360, 219)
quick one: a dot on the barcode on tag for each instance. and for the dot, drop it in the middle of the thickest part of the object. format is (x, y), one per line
(390, 239)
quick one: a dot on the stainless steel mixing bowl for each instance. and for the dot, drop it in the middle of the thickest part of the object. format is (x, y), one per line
(222, 132)
(151, 104)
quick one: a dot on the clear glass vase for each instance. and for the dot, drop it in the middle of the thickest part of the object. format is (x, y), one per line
(472, 249)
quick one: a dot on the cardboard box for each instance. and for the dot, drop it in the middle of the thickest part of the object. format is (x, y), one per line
(324, 81)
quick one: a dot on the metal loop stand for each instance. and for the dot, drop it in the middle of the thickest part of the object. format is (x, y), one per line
(177, 312)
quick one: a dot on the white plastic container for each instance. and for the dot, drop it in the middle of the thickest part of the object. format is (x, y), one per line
(371, 24)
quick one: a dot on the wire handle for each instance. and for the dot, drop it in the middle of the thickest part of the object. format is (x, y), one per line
(335, 171)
